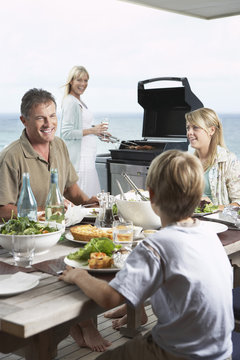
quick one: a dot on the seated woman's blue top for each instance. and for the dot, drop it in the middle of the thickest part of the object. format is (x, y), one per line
(207, 190)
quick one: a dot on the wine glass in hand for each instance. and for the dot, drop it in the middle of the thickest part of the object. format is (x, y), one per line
(105, 122)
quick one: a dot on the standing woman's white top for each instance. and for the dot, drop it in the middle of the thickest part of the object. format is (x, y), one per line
(78, 133)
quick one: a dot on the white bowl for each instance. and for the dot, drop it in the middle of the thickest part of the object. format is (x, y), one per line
(140, 212)
(43, 242)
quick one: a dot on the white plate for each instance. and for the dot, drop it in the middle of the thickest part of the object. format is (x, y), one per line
(14, 288)
(69, 237)
(90, 215)
(77, 265)
(216, 227)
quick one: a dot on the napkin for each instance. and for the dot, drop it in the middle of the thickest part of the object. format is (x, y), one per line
(17, 282)
(75, 214)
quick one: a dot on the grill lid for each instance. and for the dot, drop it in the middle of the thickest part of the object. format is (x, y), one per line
(165, 108)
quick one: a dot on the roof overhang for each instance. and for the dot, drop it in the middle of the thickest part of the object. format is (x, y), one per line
(204, 9)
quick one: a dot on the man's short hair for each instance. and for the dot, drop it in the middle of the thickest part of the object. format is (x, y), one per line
(176, 179)
(35, 97)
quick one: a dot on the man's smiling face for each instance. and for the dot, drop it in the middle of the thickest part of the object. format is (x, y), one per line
(41, 124)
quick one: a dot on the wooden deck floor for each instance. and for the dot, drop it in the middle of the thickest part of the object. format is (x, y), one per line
(68, 350)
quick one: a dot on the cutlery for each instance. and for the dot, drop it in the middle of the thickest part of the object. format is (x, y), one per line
(129, 143)
(90, 205)
(113, 139)
(56, 269)
(131, 183)
(121, 190)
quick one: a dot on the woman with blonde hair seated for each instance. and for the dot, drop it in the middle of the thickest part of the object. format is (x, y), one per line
(221, 167)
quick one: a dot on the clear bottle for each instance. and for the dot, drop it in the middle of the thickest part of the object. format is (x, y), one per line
(54, 210)
(27, 205)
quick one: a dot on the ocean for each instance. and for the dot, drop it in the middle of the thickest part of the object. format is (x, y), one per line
(125, 126)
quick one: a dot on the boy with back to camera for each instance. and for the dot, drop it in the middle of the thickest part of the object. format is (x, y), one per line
(183, 269)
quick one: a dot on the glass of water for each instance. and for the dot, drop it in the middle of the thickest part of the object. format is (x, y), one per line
(23, 248)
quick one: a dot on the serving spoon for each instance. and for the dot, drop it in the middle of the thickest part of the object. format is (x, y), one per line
(121, 190)
(131, 183)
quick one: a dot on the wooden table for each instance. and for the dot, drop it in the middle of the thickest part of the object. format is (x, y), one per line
(37, 320)
(34, 322)
(231, 241)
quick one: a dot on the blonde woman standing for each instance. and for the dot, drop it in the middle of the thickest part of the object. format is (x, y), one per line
(78, 132)
(221, 167)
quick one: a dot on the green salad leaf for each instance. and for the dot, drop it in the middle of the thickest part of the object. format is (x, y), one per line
(102, 244)
(115, 209)
(205, 207)
(24, 226)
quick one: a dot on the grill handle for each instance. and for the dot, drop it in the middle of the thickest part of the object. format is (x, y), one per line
(183, 80)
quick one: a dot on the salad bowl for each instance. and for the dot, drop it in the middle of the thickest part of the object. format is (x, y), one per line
(43, 242)
(138, 211)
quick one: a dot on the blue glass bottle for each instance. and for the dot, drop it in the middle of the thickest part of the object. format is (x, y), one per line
(27, 205)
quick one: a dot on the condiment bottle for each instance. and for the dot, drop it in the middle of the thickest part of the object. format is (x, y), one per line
(27, 205)
(54, 210)
(108, 211)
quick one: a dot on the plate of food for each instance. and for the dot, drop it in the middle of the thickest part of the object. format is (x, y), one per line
(229, 216)
(69, 237)
(79, 265)
(93, 213)
(205, 208)
(97, 255)
(84, 233)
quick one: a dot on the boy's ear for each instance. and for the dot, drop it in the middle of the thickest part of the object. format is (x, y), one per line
(153, 205)
(151, 195)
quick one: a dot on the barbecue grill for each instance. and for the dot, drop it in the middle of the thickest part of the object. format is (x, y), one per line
(164, 128)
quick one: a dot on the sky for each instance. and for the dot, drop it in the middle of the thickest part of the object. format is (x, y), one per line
(120, 44)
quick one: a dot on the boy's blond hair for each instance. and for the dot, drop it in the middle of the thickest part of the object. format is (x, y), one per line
(176, 179)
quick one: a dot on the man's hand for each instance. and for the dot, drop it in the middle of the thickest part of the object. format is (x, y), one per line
(75, 195)
(93, 201)
(67, 204)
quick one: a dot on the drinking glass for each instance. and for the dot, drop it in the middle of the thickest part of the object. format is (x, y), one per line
(23, 250)
(123, 232)
(105, 122)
